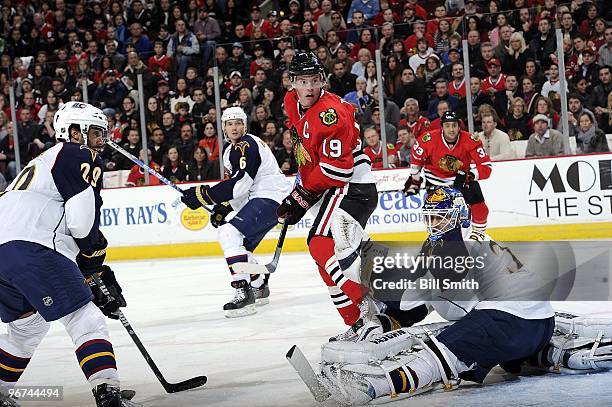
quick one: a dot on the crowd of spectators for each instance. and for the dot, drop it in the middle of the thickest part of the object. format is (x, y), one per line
(53, 51)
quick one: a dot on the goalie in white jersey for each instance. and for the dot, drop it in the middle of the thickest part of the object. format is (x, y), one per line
(254, 190)
(49, 243)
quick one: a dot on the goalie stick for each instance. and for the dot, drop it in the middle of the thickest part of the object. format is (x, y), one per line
(303, 368)
(150, 170)
(169, 387)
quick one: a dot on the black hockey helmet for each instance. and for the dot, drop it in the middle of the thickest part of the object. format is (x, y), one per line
(449, 116)
(305, 63)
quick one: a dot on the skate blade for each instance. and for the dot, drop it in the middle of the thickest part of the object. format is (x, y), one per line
(242, 312)
(262, 301)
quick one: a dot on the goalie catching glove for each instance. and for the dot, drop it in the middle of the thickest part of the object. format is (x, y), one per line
(196, 197)
(109, 306)
(295, 205)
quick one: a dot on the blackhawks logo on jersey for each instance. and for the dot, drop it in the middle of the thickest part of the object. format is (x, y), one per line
(329, 117)
(301, 155)
(426, 137)
(450, 163)
(474, 137)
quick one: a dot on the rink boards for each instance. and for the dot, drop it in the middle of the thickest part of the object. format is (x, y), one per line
(530, 199)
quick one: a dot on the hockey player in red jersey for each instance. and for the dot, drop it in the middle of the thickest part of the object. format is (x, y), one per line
(336, 176)
(450, 156)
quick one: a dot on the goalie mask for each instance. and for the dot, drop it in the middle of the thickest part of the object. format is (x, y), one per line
(85, 117)
(444, 210)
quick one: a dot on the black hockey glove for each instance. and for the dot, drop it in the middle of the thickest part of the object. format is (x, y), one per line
(108, 306)
(295, 205)
(196, 197)
(220, 211)
(90, 262)
(463, 180)
(412, 186)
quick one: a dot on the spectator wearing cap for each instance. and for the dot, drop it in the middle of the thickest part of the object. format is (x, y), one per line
(518, 54)
(164, 94)
(184, 47)
(544, 142)
(605, 51)
(544, 44)
(273, 19)
(589, 69)
(233, 86)
(111, 92)
(452, 57)
(407, 19)
(496, 143)
(324, 22)
(208, 32)
(139, 40)
(238, 61)
(496, 80)
(258, 21)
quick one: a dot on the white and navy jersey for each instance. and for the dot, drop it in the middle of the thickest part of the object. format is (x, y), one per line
(55, 201)
(504, 284)
(254, 173)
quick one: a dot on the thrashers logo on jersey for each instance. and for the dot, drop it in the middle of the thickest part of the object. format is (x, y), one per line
(438, 195)
(242, 146)
(301, 155)
(450, 163)
(329, 117)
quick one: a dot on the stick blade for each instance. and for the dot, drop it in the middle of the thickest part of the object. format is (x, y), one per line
(252, 268)
(186, 385)
(303, 368)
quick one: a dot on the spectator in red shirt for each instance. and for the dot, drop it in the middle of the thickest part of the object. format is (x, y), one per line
(136, 176)
(457, 86)
(374, 149)
(160, 63)
(496, 80)
(419, 32)
(365, 41)
(414, 121)
(257, 21)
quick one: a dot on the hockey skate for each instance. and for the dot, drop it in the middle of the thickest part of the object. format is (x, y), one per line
(367, 326)
(243, 303)
(110, 396)
(262, 293)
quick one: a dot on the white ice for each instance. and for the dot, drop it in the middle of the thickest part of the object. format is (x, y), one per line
(175, 306)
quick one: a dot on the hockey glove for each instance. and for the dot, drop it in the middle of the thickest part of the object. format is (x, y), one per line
(463, 179)
(295, 205)
(412, 186)
(220, 211)
(90, 262)
(196, 197)
(108, 306)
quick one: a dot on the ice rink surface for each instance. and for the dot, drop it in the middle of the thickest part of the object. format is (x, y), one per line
(175, 306)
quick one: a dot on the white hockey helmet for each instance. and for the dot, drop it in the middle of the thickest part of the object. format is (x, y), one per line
(233, 113)
(79, 114)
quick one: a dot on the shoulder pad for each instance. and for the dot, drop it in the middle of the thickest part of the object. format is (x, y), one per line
(329, 117)
(426, 137)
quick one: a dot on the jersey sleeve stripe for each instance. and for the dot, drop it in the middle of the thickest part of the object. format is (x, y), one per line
(336, 176)
(335, 169)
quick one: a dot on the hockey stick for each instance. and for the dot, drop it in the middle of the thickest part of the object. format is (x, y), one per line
(149, 170)
(253, 268)
(303, 368)
(169, 387)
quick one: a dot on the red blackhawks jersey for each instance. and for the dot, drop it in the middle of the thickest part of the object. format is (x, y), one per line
(326, 143)
(441, 162)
